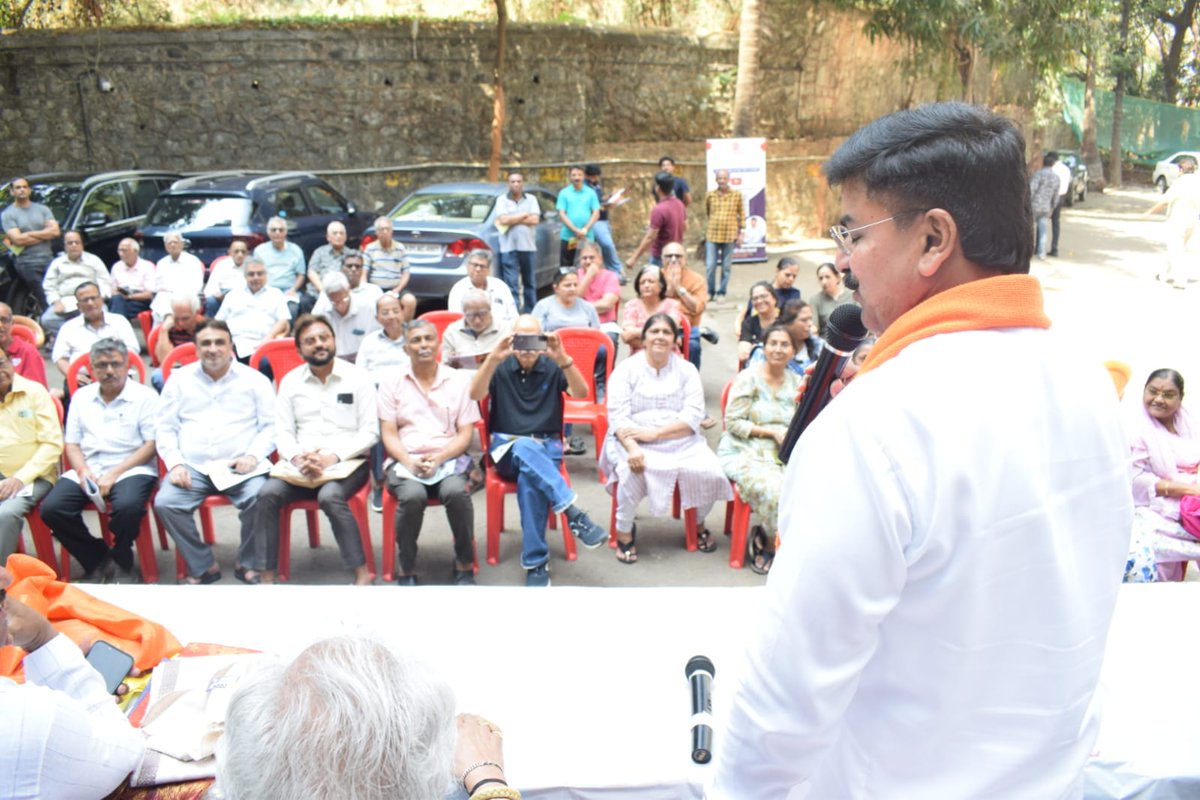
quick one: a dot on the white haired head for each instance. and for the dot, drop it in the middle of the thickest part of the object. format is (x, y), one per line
(348, 718)
(335, 282)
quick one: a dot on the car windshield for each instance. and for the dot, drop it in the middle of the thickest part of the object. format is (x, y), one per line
(445, 207)
(193, 213)
(58, 197)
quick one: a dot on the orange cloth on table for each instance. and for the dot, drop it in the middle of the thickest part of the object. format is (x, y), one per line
(81, 616)
(1005, 301)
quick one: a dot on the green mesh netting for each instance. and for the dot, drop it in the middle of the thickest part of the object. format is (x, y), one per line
(1150, 130)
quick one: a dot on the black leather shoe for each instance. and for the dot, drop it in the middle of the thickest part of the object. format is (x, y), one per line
(406, 580)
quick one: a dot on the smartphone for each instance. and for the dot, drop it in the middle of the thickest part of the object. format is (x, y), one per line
(112, 663)
(529, 341)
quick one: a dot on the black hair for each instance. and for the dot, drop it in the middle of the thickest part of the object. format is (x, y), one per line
(662, 284)
(661, 317)
(665, 182)
(592, 170)
(953, 156)
(306, 321)
(787, 261)
(1050, 159)
(769, 288)
(831, 266)
(1171, 374)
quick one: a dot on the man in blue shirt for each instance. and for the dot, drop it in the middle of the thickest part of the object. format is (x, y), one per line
(578, 208)
(284, 260)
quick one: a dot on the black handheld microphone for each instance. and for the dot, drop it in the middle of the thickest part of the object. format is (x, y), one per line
(700, 672)
(844, 333)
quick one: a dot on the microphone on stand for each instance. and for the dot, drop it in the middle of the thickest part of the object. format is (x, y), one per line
(700, 672)
(844, 333)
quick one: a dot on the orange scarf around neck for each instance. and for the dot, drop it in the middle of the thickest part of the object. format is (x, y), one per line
(1005, 301)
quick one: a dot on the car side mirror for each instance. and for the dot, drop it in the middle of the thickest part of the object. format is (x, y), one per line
(350, 209)
(94, 219)
(550, 216)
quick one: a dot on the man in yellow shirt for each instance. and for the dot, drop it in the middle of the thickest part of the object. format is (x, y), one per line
(31, 443)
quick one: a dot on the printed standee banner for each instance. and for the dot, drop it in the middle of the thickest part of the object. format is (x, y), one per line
(746, 160)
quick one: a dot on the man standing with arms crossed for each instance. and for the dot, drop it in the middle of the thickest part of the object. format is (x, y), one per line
(518, 214)
(937, 629)
(29, 228)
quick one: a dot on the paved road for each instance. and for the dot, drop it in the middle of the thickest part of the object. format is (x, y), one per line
(1101, 293)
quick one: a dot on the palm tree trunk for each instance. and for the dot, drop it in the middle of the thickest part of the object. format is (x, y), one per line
(746, 89)
(498, 91)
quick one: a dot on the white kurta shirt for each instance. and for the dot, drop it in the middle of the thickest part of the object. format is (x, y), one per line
(62, 735)
(504, 310)
(76, 336)
(251, 316)
(182, 276)
(935, 619)
(200, 419)
(339, 415)
(109, 433)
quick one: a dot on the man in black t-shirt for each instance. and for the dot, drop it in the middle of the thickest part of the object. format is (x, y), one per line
(525, 420)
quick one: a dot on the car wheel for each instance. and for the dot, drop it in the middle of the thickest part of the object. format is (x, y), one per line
(24, 301)
(1069, 198)
(1161, 182)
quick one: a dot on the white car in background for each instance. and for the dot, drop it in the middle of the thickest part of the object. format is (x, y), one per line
(1167, 170)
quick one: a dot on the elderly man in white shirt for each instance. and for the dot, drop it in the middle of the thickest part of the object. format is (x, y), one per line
(74, 267)
(254, 312)
(325, 421)
(93, 324)
(356, 273)
(133, 281)
(109, 443)
(467, 343)
(352, 317)
(479, 276)
(216, 424)
(178, 272)
(382, 354)
(62, 736)
(224, 275)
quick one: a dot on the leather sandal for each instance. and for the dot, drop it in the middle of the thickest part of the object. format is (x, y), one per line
(627, 551)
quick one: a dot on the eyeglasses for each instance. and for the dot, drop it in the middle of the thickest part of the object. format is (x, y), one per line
(475, 314)
(841, 234)
(672, 256)
(276, 230)
(479, 267)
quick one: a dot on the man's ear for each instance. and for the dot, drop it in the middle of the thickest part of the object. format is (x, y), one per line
(941, 240)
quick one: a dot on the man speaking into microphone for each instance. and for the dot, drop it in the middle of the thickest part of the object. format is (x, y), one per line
(936, 628)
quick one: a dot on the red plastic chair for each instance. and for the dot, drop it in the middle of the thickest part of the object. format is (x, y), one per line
(389, 535)
(691, 527)
(495, 488)
(685, 330)
(183, 354)
(85, 360)
(152, 343)
(358, 505)
(441, 319)
(282, 354)
(737, 510)
(32, 325)
(146, 320)
(21, 332)
(582, 345)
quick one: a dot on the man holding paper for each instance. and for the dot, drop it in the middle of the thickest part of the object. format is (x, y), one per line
(325, 422)
(216, 427)
(110, 447)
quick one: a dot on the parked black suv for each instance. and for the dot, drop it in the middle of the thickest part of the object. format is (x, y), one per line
(106, 207)
(212, 210)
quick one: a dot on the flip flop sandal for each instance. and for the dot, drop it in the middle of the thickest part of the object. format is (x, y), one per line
(244, 575)
(203, 580)
(627, 551)
(763, 568)
(705, 542)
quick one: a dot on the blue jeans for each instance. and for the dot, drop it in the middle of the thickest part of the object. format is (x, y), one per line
(540, 487)
(694, 347)
(516, 267)
(176, 507)
(724, 252)
(1043, 232)
(604, 239)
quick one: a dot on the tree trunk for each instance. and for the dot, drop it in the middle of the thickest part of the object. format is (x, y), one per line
(1114, 151)
(1091, 154)
(746, 89)
(1181, 24)
(498, 91)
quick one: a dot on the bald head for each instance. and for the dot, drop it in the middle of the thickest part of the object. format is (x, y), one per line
(527, 323)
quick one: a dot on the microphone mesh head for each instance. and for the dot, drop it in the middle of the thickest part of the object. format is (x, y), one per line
(699, 664)
(846, 330)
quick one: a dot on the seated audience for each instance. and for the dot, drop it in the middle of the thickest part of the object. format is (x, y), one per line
(77, 335)
(564, 309)
(217, 418)
(386, 733)
(178, 327)
(326, 414)
(387, 266)
(255, 312)
(766, 311)
(1166, 455)
(26, 360)
(757, 414)
(351, 317)
(355, 272)
(599, 286)
(690, 290)
(467, 342)
(382, 354)
(832, 295)
(284, 260)
(479, 276)
(426, 421)
(31, 443)
(655, 407)
(525, 422)
(785, 276)
(63, 737)
(176, 273)
(224, 275)
(71, 269)
(327, 258)
(109, 443)
(651, 299)
(133, 281)
(797, 318)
